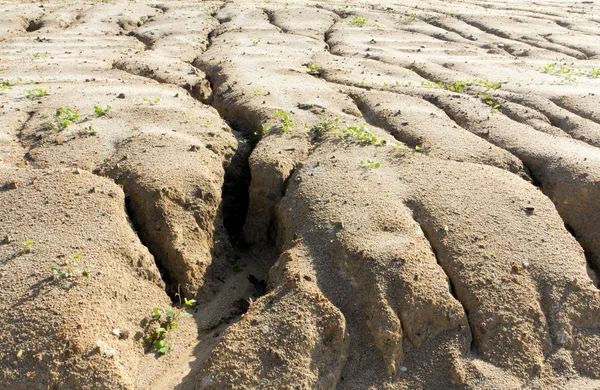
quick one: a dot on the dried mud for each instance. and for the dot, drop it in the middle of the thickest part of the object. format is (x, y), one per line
(349, 196)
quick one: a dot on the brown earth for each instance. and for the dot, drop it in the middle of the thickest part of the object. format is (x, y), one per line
(352, 196)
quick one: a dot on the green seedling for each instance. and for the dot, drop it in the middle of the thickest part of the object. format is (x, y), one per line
(102, 111)
(189, 302)
(595, 72)
(26, 246)
(313, 70)
(326, 125)
(39, 56)
(36, 93)
(410, 18)
(369, 164)
(361, 133)
(287, 121)
(258, 91)
(88, 131)
(152, 102)
(359, 21)
(63, 118)
(256, 41)
(166, 320)
(69, 268)
(5, 85)
(490, 102)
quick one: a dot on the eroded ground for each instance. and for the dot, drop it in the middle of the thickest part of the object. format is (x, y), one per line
(351, 196)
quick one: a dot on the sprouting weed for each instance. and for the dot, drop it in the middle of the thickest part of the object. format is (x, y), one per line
(102, 111)
(409, 18)
(313, 70)
(490, 102)
(359, 21)
(326, 125)
(88, 131)
(5, 85)
(69, 268)
(166, 320)
(189, 302)
(286, 120)
(258, 91)
(36, 93)
(152, 102)
(361, 133)
(26, 246)
(369, 164)
(256, 41)
(63, 118)
(39, 56)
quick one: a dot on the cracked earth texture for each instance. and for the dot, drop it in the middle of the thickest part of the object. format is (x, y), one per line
(378, 195)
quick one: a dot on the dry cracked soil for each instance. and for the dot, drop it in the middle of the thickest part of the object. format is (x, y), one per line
(300, 195)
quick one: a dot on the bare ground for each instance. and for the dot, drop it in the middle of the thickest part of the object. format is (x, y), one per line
(347, 196)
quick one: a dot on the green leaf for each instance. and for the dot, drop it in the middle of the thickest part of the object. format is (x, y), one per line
(85, 273)
(170, 313)
(189, 302)
(160, 331)
(377, 165)
(164, 350)
(159, 344)
(184, 314)
(156, 313)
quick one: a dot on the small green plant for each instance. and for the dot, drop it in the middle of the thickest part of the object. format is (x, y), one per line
(102, 111)
(166, 320)
(152, 102)
(369, 164)
(410, 18)
(326, 125)
(26, 246)
(490, 102)
(69, 268)
(159, 336)
(189, 302)
(5, 85)
(39, 56)
(36, 93)
(359, 21)
(287, 122)
(362, 133)
(258, 91)
(595, 72)
(256, 41)
(313, 70)
(88, 131)
(63, 118)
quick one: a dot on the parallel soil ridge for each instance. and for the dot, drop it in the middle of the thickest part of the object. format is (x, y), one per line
(299, 195)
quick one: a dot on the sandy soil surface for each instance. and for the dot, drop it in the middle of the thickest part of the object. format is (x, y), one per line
(299, 195)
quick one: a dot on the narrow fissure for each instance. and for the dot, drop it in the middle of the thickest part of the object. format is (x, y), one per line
(411, 141)
(136, 226)
(236, 197)
(574, 111)
(451, 285)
